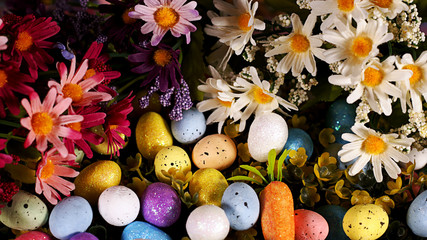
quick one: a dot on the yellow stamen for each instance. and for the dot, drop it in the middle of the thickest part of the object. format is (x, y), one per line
(73, 91)
(162, 57)
(166, 17)
(77, 126)
(243, 22)
(417, 73)
(47, 170)
(41, 123)
(125, 16)
(346, 5)
(382, 3)
(3, 78)
(24, 41)
(361, 46)
(373, 77)
(261, 97)
(112, 127)
(89, 73)
(374, 145)
(300, 43)
(225, 103)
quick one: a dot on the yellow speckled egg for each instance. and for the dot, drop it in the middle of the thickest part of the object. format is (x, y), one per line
(152, 134)
(214, 151)
(365, 222)
(210, 184)
(95, 178)
(171, 157)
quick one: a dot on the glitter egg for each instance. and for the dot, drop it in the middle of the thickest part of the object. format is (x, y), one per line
(34, 235)
(171, 157)
(416, 215)
(95, 178)
(143, 230)
(214, 151)
(310, 225)
(118, 205)
(365, 221)
(340, 117)
(334, 215)
(84, 236)
(207, 222)
(160, 205)
(210, 184)
(191, 127)
(152, 134)
(299, 138)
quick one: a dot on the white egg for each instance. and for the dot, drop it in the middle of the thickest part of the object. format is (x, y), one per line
(419, 157)
(207, 222)
(118, 205)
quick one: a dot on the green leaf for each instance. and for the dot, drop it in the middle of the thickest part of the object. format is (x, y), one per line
(254, 170)
(271, 161)
(244, 178)
(280, 163)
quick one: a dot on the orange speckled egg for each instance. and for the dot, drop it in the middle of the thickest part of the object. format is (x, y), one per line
(214, 151)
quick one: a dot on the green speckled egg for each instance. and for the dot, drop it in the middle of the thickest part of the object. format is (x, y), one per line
(365, 222)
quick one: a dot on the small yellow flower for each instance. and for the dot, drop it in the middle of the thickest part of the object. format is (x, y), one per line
(342, 191)
(299, 157)
(325, 160)
(331, 197)
(179, 179)
(299, 122)
(326, 137)
(260, 168)
(309, 196)
(361, 197)
(133, 163)
(137, 185)
(232, 129)
(409, 169)
(243, 152)
(422, 179)
(326, 169)
(386, 203)
(352, 179)
(394, 187)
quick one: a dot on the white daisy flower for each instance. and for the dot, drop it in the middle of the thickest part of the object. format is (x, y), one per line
(356, 45)
(220, 99)
(368, 145)
(235, 25)
(257, 98)
(390, 8)
(414, 87)
(375, 83)
(299, 46)
(338, 9)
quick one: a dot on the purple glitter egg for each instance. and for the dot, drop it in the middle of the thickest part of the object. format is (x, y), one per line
(84, 236)
(160, 205)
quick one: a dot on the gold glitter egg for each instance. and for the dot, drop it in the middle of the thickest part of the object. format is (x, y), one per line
(210, 184)
(95, 178)
(152, 134)
(171, 157)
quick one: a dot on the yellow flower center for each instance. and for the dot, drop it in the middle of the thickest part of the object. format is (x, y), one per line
(382, 3)
(374, 145)
(48, 170)
(346, 5)
(73, 91)
(299, 43)
(373, 77)
(166, 17)
(3, 78)
(243, 22)
(125, 16)
(24, 41)
(41, 123)
(162, 57)
(417, 73)
(361, 46)
(225, 103)
(77, 126)
(89, 73)
(261, 97)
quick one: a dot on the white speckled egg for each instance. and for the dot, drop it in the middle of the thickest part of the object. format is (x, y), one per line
(207, 222)
(171, 157)
(24, 212)
(214, 151)
(416, 215)
(191, 128)
(419, 157)
(266, 132)
(118, 205)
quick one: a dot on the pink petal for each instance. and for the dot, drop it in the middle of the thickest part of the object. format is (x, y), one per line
(65, 171)
(80, 72)
(61, 106)
(49, 100)
(72, 70)
(41, 141)
(62, 150)
(26, 104)
(62, 69)
(68, 133)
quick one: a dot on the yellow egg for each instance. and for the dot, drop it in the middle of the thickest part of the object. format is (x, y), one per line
(152, 134)
(171, 157)
(95, 178)
(365, 222)
(103, 147)
(210, 184)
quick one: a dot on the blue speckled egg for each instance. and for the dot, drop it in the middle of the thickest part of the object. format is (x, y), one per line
(191, 128)
(84, 236)
(143, 230)
(241, 205)
(70, 216)
(416, 215)
(340, 117)
(299, 138)
(334, 215)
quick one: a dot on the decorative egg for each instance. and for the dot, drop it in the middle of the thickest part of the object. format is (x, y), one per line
(340, 117)
(418, 157)
(416, 215)
(214, 151)
(24, 212)
(334, 215)
(152, 134)
(241, 205)
(70, 216)
(95, 178)
(34, 235)
(171, 157)
(191, 128)
(207, 222)
(160, 205)
(299, 138)
(268, 131)
(210, 184)
(310, 225)
(118, 205)
(368, 222)
(84, 236)
(104, 148)
(143, 230)
(277, 211)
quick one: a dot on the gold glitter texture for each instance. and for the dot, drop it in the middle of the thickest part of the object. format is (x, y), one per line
(210, 184)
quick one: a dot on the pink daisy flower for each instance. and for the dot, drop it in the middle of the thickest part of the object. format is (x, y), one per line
(3, 39)
(46, 123)
(164, 15)
(52, 167)
(74, 86)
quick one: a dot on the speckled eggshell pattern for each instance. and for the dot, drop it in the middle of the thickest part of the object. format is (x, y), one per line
(143, 230)
(207, 222)
(191, 128)
(367, 222)
(34, 235)
(214, 151)
(417, 215)
(171, 157)
(310, 225)
(84, 236)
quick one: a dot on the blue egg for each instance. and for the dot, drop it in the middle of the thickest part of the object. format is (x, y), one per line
(299, 138)
(70, 216)
(334, 215)
(340, 117)
(416, 215)
(143, 230)
(241, 205)
(191, 128)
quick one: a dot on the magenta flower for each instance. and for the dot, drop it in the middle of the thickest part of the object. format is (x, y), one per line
(164, 15)
(4, 158)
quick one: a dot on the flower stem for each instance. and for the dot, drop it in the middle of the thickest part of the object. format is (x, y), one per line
(130, 83)
(10, 124)
(9, 136)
